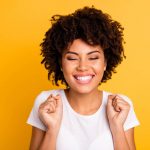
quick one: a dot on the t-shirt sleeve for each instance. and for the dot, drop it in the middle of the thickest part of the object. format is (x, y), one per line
(131, 120)
(33, 118)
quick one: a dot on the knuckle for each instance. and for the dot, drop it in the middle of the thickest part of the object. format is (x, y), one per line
(41, 106)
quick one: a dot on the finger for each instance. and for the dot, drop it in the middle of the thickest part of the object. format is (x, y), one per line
(53, 96)
(44, 108)
(114, 104)
(120, 99)
(52, 99)
(42, 105)
(117, 99)
(52, 105)
(120, 106)
(111, 96)
(51, 109)
(47, 103)
(57, 96)
(111, 101)
(50, 96)
(54, 102)
(58, 102)
(117, 108)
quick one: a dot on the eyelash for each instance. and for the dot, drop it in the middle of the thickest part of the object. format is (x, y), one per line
(94, 58)
(71, 59)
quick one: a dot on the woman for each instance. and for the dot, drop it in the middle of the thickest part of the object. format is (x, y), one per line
(82, 50)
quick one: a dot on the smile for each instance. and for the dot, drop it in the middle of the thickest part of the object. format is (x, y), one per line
(83, 79)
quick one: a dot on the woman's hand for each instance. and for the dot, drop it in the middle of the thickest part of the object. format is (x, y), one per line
(117, 111)
(50, 112)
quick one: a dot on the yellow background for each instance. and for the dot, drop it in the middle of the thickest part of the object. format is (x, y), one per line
(22, 28)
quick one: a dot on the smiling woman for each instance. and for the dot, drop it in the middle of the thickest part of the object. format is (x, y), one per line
(83, 66)
(82, 50)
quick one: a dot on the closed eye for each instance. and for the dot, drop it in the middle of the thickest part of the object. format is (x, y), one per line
(93, 58)
(71, 59)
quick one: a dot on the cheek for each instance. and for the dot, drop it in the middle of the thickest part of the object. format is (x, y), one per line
(99, 66)
(68, 68)
(68, 65)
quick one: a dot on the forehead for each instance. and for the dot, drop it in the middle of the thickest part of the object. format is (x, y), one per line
(79, 46)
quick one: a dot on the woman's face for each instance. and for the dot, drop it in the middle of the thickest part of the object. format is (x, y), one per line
(83, 66)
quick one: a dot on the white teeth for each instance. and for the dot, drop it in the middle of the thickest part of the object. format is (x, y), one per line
(84, 78)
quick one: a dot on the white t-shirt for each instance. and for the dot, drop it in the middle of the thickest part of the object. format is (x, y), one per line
(82, 132)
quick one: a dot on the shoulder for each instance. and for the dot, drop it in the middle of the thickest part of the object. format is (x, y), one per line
(43, 95)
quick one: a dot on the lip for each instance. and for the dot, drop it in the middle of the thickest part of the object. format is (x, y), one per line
(81, 75)
(83, 79)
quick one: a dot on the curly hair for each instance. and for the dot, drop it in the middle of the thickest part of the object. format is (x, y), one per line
(92, 26)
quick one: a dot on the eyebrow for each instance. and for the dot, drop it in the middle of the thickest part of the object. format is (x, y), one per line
(70, 52)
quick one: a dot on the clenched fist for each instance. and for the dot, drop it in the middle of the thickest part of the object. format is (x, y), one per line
(117, 110)
(50, 112)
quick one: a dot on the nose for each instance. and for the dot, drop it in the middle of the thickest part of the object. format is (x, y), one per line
(82, 65)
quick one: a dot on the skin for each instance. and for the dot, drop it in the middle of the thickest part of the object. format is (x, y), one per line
(79, 60)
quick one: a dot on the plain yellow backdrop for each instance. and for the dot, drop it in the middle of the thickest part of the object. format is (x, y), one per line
(22, 28)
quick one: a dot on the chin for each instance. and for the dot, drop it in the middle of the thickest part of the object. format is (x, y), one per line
(84, 90)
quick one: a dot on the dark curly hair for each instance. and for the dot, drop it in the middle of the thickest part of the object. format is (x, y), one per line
(92, 26)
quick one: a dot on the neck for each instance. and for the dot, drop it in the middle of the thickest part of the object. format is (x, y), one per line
(87, 103)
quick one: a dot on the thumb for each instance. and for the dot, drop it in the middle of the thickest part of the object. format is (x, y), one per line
(58, 102)
(110, 99)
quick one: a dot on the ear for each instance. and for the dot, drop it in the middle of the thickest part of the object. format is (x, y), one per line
(60, 64)
(105, 68)
(105, 65)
